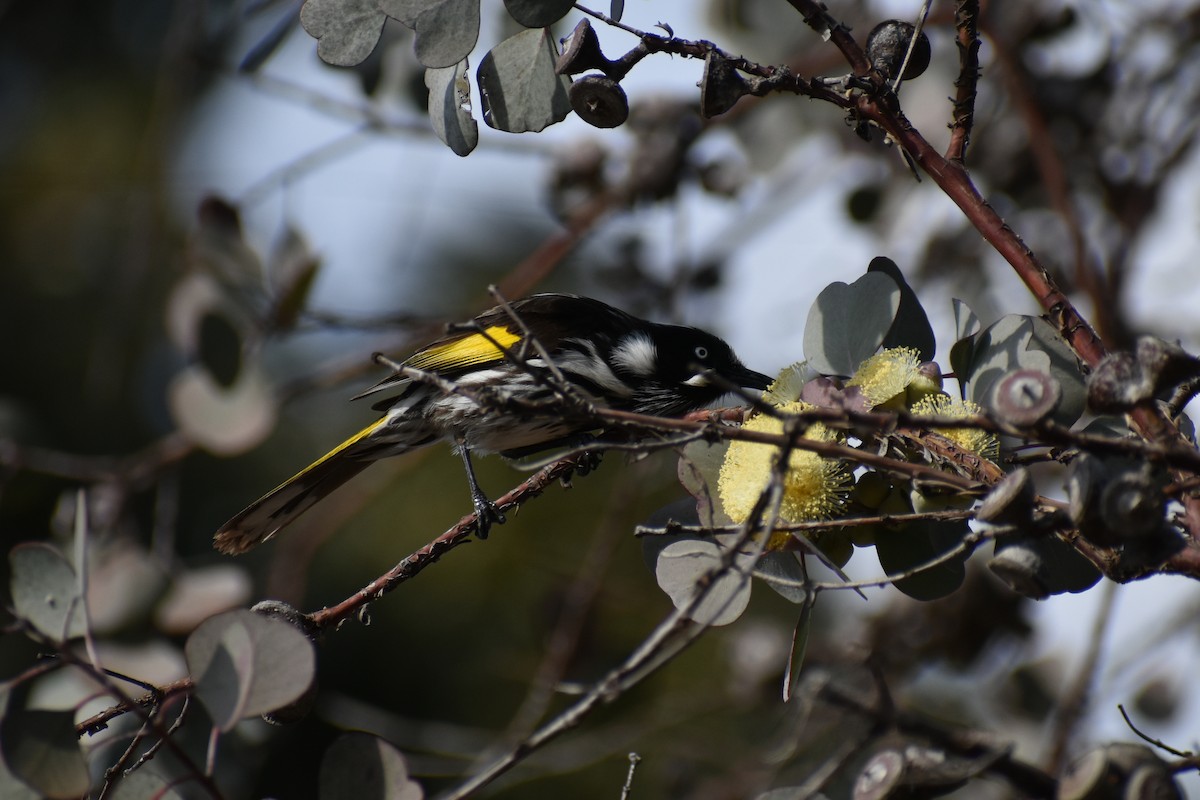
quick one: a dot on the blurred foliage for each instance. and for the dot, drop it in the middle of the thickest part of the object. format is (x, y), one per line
(1084, 114)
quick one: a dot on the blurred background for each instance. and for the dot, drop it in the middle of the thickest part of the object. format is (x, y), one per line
(205, 232)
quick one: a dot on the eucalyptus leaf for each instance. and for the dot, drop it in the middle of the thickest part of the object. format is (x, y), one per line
(223, 420)
(446, 30)
(360, 765)
(848, 323)
(538, 13)
(911, 327)
(781, 571)
(293, 269)
(246, 664)
(1053, 566)
(450, 108)
(616, 10)
(962, 352)
(143, 784)
(903, 548)
(45, 591)
(346, 30)
(518, 85)
(1017, 341)
(966, 323)
(799, 649)
(699, 468)
(40, 748)
(683, 564)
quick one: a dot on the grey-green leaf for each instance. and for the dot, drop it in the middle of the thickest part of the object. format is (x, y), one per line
(40, 748)
(902, 549)
(911, 326)
(682, 564)
(538, 13)
(446, 30)
(848, 323)
(142, 785)
(46, 592)
(358, 764)
(781, 571)
(1017, 341)
(1042, 566)
(518, 86)
(346, 30)
(246, 664)
(450, 107)
(966, 330)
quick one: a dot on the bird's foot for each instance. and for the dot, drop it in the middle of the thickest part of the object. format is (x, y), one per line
(486, 513)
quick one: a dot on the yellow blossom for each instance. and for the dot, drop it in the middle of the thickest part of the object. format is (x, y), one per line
(973, 440)
(813, 488)
(893, 377)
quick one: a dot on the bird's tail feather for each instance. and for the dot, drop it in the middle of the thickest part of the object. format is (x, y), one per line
(277, 509)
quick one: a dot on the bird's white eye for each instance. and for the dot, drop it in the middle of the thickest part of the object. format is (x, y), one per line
(701, 352)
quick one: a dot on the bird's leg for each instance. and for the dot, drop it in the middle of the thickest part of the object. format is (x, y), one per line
(486, 511)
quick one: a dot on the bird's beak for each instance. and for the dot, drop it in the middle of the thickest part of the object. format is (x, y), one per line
(749, 379)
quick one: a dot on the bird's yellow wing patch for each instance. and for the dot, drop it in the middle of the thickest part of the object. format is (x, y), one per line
(467, 351)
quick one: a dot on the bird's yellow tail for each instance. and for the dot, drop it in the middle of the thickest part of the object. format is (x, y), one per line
(275, 510)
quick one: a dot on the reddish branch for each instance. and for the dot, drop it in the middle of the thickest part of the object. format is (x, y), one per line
(457, 535)
(966, 24)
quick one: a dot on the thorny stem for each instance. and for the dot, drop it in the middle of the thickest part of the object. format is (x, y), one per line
(966, 24)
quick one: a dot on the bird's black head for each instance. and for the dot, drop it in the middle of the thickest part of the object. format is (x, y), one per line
(678, 369)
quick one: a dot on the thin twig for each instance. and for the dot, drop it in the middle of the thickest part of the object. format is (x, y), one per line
(1159, 743)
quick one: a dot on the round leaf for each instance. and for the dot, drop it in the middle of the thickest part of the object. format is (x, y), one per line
(848, 323)
(911, 327)
(519, 87)
(450, 107)
(45, 591)
(358, 764)
(1056, 566)
(1017, 341)
(446, 30)
(143, 785)
(246, 664)
(684, 563)
(224, 421)
(41, 749)
(902, 549)
(781, 571)
(966, 329)
(538, 13)
(346, 30)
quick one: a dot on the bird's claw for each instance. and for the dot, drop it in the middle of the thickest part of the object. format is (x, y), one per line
(486, 513)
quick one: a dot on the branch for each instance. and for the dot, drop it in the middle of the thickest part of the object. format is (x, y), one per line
(458, 534)
(966, 25)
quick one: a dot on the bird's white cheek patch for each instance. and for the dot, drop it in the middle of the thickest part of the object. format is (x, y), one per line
(636, 354)
(699, 380)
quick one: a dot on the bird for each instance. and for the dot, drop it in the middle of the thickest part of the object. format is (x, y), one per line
(504, 383)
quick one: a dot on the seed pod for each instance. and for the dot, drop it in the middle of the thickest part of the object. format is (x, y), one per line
(1131, 504)
(599, 101)
(1010, 502)
(888, 43)
(1020, 567)
(721, 87)
(1025, 397)
(582, 52)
